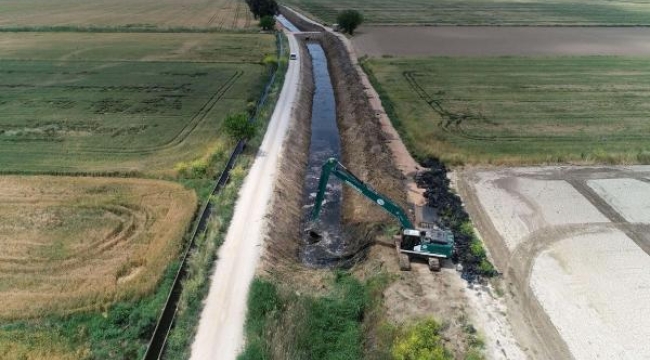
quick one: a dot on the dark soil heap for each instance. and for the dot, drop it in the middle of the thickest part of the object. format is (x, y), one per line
(452, 215)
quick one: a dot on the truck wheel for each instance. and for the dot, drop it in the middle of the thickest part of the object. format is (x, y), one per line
(404, 262)
(434, 264)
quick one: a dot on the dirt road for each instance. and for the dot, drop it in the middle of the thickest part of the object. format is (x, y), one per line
(220, 333)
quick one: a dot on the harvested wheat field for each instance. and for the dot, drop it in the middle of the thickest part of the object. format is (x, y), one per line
(127, 14)
(71, 244)
(572, 244)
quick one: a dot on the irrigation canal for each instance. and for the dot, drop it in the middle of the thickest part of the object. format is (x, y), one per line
(325, 143)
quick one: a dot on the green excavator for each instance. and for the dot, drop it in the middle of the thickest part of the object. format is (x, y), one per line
(431, 243)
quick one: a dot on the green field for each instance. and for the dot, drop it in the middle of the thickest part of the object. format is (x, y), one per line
(516, 110)
(487, 12)
(78, 102)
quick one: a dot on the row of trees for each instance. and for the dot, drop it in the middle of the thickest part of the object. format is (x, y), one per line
(264, 10)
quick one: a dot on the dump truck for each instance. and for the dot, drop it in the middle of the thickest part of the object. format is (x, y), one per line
(431, 243)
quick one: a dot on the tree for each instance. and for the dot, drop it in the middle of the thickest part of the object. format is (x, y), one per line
(349, 20)
(238, 127)
(261, 8)
(267, 22)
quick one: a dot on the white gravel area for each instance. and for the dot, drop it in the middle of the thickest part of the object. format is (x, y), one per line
(490, 313)
(596, 290)
(505, 209)
(558, 203)
(518, 206)
(629, 197)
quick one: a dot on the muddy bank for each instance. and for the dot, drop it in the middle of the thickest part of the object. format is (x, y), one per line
(452, 215)
(281, 251)
(364, 146)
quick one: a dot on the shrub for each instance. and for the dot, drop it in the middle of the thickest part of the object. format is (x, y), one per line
(421, 341)
(267, 22)
(238, 127)
(476, 248)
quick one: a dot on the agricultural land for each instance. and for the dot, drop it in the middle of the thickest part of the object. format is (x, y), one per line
(519, 110)
(134, 90)
(491, 12)
(74, 245)
(122, 102)
(480, 41)
(569, 242)
(126, 15)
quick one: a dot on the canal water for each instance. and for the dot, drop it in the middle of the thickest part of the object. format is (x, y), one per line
(328, 249)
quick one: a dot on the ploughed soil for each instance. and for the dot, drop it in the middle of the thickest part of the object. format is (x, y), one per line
(494, 41)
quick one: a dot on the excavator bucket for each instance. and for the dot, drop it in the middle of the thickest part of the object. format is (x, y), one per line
(314, 234)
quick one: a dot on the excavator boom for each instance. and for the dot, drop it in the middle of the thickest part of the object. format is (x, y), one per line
(333, 167)
(433, 244)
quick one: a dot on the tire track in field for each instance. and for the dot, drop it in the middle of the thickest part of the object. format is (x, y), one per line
(236, 17)
(451, 122)
(214, 16)
(197, 119)
(224, 14)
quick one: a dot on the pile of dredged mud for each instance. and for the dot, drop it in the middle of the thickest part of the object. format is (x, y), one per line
(452, 215)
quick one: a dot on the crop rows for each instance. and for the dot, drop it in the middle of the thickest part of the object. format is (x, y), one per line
(520, 110)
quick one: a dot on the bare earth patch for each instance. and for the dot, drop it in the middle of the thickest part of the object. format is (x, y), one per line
(574, 250)
(73, 243)
(495, 41)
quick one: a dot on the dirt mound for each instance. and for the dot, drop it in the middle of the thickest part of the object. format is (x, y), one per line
(452, 214)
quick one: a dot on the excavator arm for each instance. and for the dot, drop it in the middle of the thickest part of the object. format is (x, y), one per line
(333, 167)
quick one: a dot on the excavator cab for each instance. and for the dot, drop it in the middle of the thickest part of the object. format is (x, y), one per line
(433, 244)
